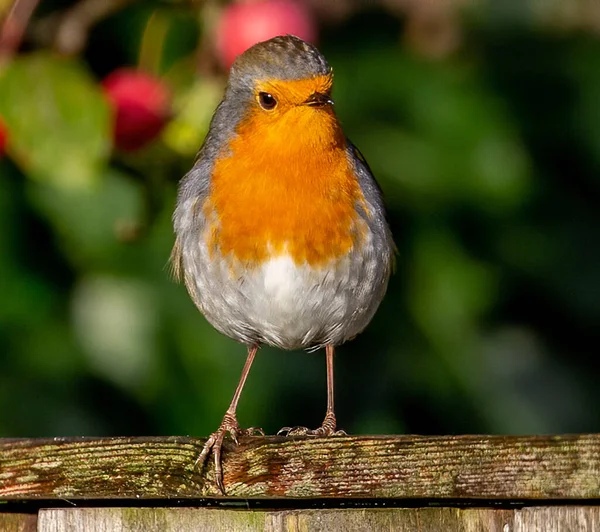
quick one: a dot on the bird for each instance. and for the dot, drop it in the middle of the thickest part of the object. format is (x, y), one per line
(281, 234)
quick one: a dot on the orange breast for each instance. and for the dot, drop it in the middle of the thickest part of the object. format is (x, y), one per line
(284, 185)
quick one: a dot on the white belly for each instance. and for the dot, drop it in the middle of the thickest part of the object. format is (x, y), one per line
(294, 303)
(290, 305)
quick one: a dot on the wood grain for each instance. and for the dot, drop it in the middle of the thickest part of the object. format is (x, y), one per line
(533, 519)
(15, 522)
(497, 468)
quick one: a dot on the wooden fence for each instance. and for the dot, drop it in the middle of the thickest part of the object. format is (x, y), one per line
(405, 483)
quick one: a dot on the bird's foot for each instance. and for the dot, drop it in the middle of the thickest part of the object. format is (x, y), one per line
(328, 428)
(215, 444)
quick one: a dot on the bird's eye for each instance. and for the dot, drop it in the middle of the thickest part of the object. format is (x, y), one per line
(266, 101)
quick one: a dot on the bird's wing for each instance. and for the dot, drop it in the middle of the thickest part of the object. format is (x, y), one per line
(188, 219)
(373, 194)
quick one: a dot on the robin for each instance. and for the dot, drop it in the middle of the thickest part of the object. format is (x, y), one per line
(281, 233)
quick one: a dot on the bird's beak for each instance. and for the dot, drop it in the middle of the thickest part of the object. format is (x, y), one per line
(318, 99)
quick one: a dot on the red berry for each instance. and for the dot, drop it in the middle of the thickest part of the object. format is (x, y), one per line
(141, 105)
(3, 137)
(244, 24)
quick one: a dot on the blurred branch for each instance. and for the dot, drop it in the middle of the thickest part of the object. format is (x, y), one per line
(68, 31)
(13, 27)
(205, 60)
(574, 15)
(75, 24)
(433, 27)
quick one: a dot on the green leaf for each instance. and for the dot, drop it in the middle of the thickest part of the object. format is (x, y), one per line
(194, 109)
(87, 220)
(57, 118)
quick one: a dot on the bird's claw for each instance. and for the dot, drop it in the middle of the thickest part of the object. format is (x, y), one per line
(305, 431)
(294, 431)
(328, 428)
(215, 444)
(251, 431)
(254, 431)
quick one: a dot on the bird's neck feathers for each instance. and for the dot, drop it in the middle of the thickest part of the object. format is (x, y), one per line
(284, 184)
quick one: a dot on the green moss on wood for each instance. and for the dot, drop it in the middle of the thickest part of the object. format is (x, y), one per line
(448, 467)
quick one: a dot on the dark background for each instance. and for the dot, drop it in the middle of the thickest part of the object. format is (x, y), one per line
(481, 121)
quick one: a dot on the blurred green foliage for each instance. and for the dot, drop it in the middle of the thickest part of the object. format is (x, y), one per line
(488, 151)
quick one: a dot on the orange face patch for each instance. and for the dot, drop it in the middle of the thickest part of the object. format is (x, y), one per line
(284, 183)
(295, 92)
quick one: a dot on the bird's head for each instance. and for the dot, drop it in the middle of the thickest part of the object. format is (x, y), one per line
(281, 89)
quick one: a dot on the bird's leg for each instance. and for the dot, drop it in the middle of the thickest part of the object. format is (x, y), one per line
(328, 427)
(329, 423)
(229, 424)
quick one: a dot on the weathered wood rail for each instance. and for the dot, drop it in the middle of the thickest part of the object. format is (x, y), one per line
(504, 483)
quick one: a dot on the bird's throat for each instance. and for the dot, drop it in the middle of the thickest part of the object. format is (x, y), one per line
(285, 187)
